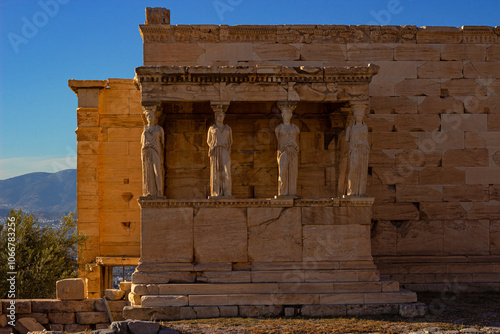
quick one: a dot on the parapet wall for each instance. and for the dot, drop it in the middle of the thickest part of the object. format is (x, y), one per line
(70, 315)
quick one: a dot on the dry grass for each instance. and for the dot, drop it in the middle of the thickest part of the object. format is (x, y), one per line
(446, 311)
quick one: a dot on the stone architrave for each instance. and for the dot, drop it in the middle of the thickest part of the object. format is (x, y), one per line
(288, 151)
(359, 151)
(153, 142)
(219, 140)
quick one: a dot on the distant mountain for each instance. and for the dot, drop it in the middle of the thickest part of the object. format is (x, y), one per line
(48, 195)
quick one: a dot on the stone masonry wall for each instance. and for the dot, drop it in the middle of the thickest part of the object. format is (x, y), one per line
(434, 127)
(434, 130)
(109, 174)
(70, 315)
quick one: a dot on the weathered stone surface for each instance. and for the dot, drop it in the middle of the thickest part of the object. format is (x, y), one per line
(260, 311)
(22, 306)
(174, 226)
(369, 52)
(323, 310)
(463, 87)
(3, 320)
(25, 325)
(466, 237)
(490, 140)
(418, 193)
(166, 330)
(418, 87)
(465, 193)
(422, 237)
(482, 70)
(394, 140)
(440, 70)
(439, 105)
(495, 237)
(71, 289)
(463, 52)
(333, 242)
(134, 298)
(442, 175)
(114, 306)
(417, 52)
(87, 318)
(323, 52)
(114, 294)
(484, 210)
(367, 310)
(418, 158)
(204, 312)
(466, 158)
(442, 210)
(277, 52)
(164, 301)
(482, 175)
(383, 237)
(143, 327)
(216, 227)
(393, 105)
(395, 211)
(54, 305)
(426, 123)
(274, 234)
(72, 328)
(62, 318)
(126, 286)
(228, 311)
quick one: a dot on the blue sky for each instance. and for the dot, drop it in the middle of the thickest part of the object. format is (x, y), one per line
(46, 42)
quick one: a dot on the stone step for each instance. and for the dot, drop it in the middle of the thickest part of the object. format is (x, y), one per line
(279, 299)
(257, 288)
(282, 276)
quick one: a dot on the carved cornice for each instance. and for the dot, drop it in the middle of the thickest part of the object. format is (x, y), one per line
(253, 74)
(146, 202)
(160, 33)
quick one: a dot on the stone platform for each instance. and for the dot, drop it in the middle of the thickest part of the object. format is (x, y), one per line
(270, 256)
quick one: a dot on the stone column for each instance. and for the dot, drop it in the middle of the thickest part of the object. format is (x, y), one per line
(288, 151)
(219, 140)
(152, 153)
(358, 150)
(87, 135)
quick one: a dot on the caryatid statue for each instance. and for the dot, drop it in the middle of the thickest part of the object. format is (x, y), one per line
(288, 151)
(359, 152)
(219, 140)
(152, 140)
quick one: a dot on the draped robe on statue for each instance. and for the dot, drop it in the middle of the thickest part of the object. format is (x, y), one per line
(359, 151)
(152, 161)
(288, 159)
(219, 141)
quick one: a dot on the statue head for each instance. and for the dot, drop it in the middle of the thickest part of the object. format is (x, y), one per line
(151, 115)
(359, 115)
(287, 108)
(219, 117)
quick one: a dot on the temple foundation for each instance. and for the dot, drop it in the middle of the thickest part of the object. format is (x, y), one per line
(260, 257)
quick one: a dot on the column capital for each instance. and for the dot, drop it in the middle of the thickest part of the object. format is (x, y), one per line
(359, 106)
(286, 106)
(219, 106)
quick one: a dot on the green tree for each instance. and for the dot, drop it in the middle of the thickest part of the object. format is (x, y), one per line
(43, 254)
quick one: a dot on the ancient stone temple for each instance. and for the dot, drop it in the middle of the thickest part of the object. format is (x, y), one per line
(314, 170)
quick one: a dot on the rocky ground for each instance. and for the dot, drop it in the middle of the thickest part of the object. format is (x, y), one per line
(448, 313)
